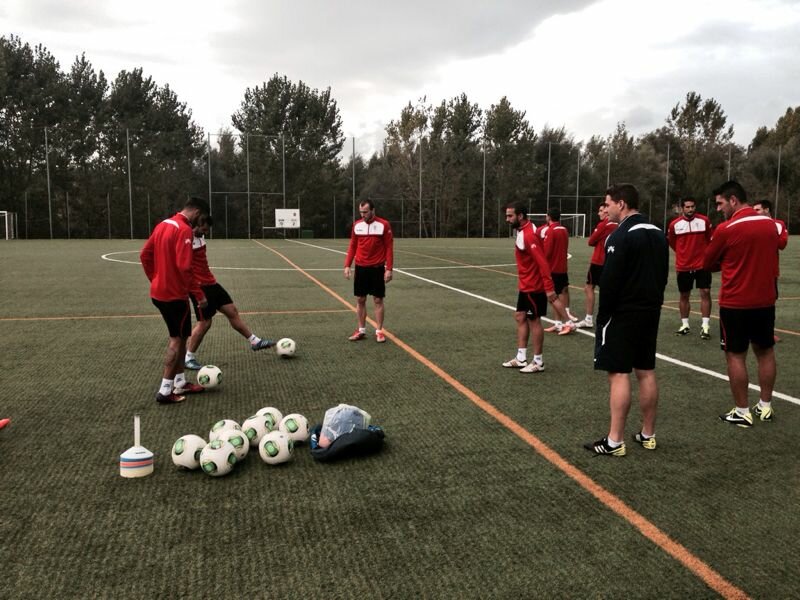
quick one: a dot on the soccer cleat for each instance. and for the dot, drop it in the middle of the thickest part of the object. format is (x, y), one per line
(193, 365)
(649, 443)
(735, 418)
(705, 332)
(567, 328)
(515, 364)
(534, 367)
(357, 335)
(171, 398)
(190, 388)
(683, 330)
(552, 329)
(379, 337)
(584, 324)
(601, 447)
(765, 414)
(4, 422)
(261, 344)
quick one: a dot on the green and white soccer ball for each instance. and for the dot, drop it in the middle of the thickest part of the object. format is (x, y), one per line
(186, 451)
(218, 458)
(285, 347)
(220, 426)
(209, 376)
(256, 427)
(239, 440)
(274, 414)
(295, 426)
(275, 448)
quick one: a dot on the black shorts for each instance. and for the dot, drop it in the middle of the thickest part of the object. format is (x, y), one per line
(627, 341)
(533, 304)
(689, 279)
(560, 281)
(369, 281)
(176, 316)
(217, 296)
(594, 274)
(738, 327)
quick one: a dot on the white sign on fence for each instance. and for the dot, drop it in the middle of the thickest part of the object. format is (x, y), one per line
(287, 217)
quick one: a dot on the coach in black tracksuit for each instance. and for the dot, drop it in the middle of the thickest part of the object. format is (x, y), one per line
(634, 277)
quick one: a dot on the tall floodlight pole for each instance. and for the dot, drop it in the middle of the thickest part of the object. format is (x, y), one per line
(420, 185)
(130, 187)
(778, 182)
(549, 150)
(208, 148)
(283, 161)
(47, 165)
(247, 164)
(353, 160)
(666, 189)
(483, 197)
(608, 170)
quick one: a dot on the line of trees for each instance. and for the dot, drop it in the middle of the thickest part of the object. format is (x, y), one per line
(116, 156)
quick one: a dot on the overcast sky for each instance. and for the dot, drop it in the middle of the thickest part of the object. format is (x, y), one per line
(577, 63)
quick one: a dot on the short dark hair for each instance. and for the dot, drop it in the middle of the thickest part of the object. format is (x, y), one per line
(207, 220)
(198, 203)
(519, 208)
(731, 188)
(766, 205)
(554, 214)
(687, 199)
(626, 192)
(367, 203)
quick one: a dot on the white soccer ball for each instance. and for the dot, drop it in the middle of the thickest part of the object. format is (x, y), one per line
(220, 426)
(295, 426)
(275, 448)
(285, 347)
(218, 458)
(256, 427)
(209, 376)
(239, 440)
(274, 414)
(186, 451)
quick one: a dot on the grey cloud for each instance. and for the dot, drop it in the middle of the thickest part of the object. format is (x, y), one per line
(73, 16)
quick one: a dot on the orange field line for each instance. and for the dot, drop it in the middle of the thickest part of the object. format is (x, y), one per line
(675, 549)
(157, 315)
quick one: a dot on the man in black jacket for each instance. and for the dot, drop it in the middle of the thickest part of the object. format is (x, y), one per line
(633, 282)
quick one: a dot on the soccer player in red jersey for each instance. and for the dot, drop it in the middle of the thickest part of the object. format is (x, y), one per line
(536, 289)
(689, 236)
(597, 241)
(372, 247)
(745, 249)
(217, 297)
(555, 239)
(765, 208)
(167, 261)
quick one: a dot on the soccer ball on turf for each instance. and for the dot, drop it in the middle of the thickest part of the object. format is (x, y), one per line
(295, 426)
(239, 440)
(275, 448)
(218, 458)
(220, 426)
(273, 414)
(209, 376)
(256, 427)
(186, 451)
(285, 347)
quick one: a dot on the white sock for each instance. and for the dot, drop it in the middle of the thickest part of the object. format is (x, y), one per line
(588, 318)
(522, 354)
(253, 339)
(647, 437)
(612, 443)
(362, 330)
(742, 411)
(166, 387)
(538, 359)
(764, 403)
(180, 380)
(189, 356)
(685, 322)
(706, 321)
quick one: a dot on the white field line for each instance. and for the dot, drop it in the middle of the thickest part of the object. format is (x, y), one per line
(663, 357)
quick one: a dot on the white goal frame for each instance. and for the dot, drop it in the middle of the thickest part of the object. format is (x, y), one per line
(574, 222)
(10, 225)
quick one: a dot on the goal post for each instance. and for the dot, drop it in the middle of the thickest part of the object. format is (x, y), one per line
(8, 225)
(574, 222)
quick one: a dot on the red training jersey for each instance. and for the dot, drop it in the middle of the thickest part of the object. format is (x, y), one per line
(689, 239)
(532, 267)
(745, 249)
(598, 241)
(371, 244)
(167, 259)
(556, 244)
(200, 270)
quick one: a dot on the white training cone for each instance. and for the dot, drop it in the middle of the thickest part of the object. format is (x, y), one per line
(136, 461)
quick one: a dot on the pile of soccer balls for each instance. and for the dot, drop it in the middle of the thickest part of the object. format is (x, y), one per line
(229, 443)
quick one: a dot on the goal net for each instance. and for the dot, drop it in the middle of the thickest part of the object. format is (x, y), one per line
(8, 225)
(574, 222)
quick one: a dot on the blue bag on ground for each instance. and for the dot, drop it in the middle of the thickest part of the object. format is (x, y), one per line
(345, 431)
